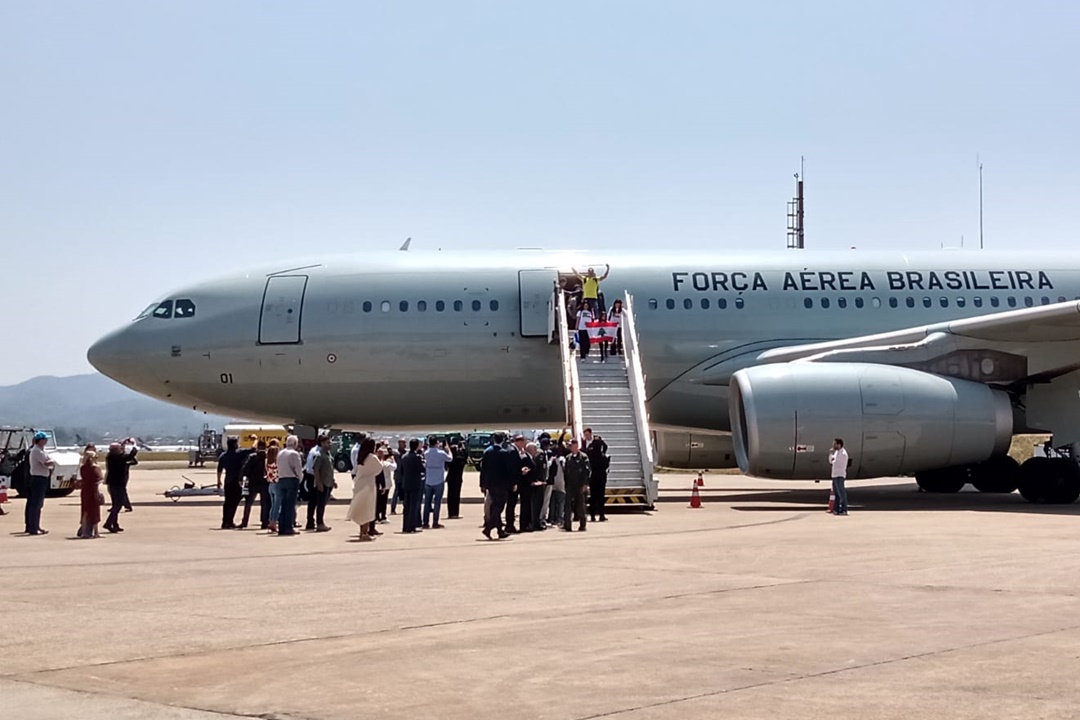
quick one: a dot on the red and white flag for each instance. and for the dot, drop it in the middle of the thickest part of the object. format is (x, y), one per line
(602, 331)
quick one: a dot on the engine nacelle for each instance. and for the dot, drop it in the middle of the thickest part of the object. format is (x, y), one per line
(894, 420)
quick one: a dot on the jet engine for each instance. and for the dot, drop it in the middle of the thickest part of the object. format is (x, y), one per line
(893, 420)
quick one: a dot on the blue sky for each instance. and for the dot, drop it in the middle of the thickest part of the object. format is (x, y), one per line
(145, 145)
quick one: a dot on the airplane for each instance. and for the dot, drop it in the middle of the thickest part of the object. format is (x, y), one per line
(925, 363)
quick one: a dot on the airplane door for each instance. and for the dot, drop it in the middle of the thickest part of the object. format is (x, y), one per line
(282, 310)
(537, 288)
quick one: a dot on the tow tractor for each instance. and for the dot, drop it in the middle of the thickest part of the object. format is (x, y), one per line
(209, 447)
(15, 444)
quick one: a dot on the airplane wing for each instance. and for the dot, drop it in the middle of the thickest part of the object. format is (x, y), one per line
(1032, 344)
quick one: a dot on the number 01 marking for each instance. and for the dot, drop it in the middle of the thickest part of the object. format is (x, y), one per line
(226, 379)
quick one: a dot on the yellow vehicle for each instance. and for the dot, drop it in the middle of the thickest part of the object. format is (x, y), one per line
(266, 433)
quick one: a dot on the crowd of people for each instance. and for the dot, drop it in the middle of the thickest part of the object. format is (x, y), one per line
(586, 307)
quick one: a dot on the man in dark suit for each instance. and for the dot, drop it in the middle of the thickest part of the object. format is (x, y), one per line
(412, 485)
(496, 481)
(519, 465)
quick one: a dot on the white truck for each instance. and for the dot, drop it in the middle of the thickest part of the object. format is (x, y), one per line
(15, 443)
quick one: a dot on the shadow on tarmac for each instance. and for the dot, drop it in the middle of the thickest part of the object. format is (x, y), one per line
(898, 497)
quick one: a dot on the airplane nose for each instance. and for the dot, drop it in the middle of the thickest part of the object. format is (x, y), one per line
(109, 356)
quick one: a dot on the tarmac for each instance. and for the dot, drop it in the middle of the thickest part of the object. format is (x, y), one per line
(758, 604)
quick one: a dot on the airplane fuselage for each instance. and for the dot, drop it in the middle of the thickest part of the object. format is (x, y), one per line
(425, 340)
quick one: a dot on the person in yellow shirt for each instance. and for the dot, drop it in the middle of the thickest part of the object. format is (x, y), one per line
(590, 287)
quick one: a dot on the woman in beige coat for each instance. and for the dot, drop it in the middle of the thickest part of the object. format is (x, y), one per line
(362, 507)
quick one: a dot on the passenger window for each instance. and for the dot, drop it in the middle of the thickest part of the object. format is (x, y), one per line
(911, 302)
(859, 302)
(1045, 300)
(841, 302)
(722, 303)
(687, 303)
(440, 306)
(421, 305)
(1061, 298)
(893, 302)
(808, 303)
(476, 306)
(995, 301)
(1012, 301)
(960, 302)
(458, 305)
(825, 302)
(184, 309)
(977, 301)
(403, 306)
(494, 305)
(367, 306)
(944, 302)
(670, 304)
(385, 306)
(653, 304)
(1029, 301)
(927, 302)
(740, 303)
(164, 310)
(704, 303)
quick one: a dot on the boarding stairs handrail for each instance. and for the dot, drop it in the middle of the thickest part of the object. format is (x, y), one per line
(636, 373)
(571, 384)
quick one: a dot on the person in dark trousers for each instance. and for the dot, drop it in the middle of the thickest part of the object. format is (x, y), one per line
(117, 470)
(497, 482)
(518, 463)
(597, 450)
(838, 461)
(41, 468)
(536, 485)
(322, 484)
(230, 464)
(412, 487)
(616, 316)
(576, 470)
(254, 471)
(455, 476)
(584, 317)
(395, 494)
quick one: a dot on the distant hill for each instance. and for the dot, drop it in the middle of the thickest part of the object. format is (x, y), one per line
(95, 406)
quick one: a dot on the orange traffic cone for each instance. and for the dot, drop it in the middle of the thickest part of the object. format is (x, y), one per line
(3, 493)
(695, 496)
(701, 478)
(832, 501)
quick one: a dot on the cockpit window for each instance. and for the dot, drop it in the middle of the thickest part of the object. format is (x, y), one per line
(184, 308)
(146, 312)
(164, 310)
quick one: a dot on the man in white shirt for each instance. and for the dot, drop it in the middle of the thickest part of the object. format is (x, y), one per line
(290, 468)
(839, 460)
(435, 460)
(41, 468)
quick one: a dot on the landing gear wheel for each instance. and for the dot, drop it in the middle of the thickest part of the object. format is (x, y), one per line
(945, 480)
(1050, 480)
(999, 474)
(341, 465)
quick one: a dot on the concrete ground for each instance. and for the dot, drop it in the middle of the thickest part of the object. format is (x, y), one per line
(757, 605)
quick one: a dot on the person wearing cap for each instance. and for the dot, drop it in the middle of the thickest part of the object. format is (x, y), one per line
(576, 471)
(41, 467)
(117, 471)
(517, 462)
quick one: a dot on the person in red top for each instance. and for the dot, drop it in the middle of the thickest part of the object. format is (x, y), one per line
(89, 503)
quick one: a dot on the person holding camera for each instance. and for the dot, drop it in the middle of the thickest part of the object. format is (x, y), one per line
(117, 470)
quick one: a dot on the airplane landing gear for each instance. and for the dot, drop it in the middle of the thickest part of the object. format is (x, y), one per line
(1050, 480)
(944, 480)
(1000, 474)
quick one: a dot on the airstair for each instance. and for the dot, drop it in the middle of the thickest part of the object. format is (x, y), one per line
(609, 397)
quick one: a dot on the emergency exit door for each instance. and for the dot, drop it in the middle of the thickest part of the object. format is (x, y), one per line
(537, 288)
(282, 310)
